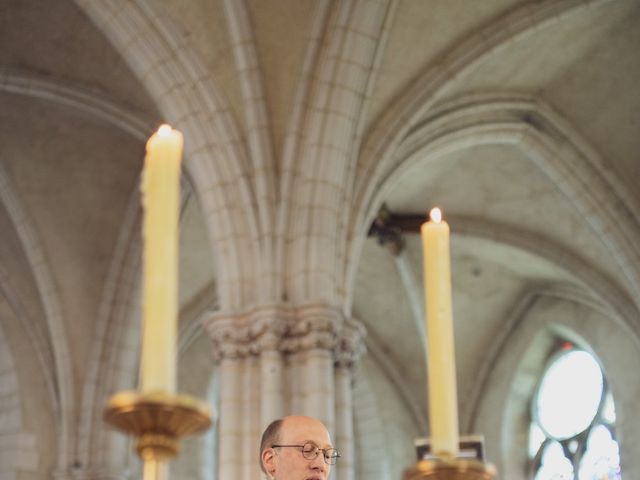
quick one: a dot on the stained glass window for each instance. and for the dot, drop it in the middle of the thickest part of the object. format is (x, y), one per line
(572, 434)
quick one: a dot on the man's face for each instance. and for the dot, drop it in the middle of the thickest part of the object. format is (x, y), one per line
(288, 463)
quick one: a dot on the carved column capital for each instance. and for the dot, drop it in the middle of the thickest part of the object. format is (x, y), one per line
(248, 333)
(285, 329)
(350, 344)
(229, 336)
(313, 327)
(268, 327)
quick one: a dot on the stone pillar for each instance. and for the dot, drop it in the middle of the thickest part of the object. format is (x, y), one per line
(349, 349)
(310, 341)
(281, 360)
(247, 348)
(270, 328)
(229, 431)
(229, 351)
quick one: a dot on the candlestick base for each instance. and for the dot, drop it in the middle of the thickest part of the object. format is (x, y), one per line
(158, 420)
(450, 469)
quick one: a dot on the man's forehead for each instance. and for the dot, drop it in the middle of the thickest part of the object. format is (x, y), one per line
(303, 429)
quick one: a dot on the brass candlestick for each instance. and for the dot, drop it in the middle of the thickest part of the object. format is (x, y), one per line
(450, 469)
(158, 420)
(467, 465)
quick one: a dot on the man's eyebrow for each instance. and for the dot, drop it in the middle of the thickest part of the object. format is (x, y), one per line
(328, 445)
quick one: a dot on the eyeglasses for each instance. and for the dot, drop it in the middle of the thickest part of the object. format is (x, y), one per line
(311, 451)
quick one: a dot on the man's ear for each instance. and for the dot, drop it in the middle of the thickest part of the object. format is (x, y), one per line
(268, 458)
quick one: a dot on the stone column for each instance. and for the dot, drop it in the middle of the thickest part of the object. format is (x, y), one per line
(310, 340)
(229, 461)
(269, 329)
(280, 360)
(349, 349)
(228, 335)
(247, 348)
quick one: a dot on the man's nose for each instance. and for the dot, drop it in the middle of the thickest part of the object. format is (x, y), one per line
(318, 463)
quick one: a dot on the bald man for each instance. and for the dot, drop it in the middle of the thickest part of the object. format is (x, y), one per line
(297, 448)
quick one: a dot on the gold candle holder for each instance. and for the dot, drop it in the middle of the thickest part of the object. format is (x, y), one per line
(450, 469)
(467, 465)
(158, 420)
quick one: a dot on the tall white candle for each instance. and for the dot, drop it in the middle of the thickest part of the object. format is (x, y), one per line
(443, 399)
(161, 194)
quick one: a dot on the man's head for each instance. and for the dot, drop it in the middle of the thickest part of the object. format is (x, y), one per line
(289, 462)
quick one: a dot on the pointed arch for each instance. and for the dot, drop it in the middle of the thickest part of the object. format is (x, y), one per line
(384, 140)
(160, 55)
(115, 327)
(259, 142)
(56, 330)
(389, 131)
(505, 398)
(547, 141)
(319, 149)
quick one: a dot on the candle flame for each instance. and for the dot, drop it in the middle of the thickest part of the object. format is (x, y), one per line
(436, 215)
(164, 130)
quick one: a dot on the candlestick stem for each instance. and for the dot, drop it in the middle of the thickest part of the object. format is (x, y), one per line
(155, 470)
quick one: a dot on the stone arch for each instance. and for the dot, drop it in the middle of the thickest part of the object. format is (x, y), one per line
(216, 159)
(503, 407)
(544, 139)
(56, 332)
(259, 144)
(31, 84)
(328, 113)
(113, 338)
(551, 145)
(605, 294)
(379, 151)
(115, 358)
(391, 129)
(113, 365)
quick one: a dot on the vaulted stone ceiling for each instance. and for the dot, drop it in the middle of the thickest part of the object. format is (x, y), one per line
(519, 118)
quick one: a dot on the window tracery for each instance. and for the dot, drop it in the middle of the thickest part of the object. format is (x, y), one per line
(572, 430)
